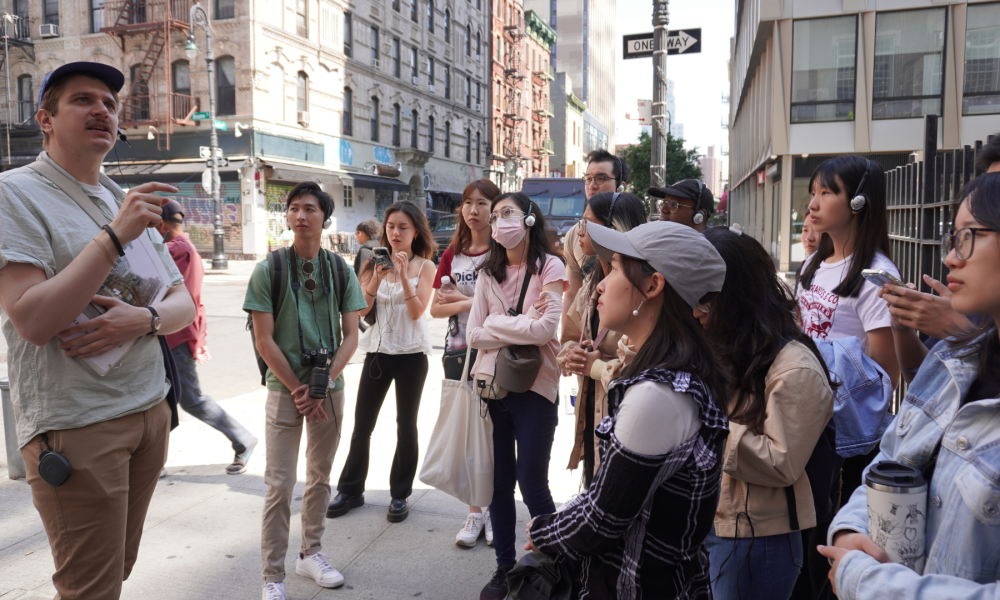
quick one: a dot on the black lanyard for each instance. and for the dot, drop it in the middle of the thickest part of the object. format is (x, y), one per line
(294, 269)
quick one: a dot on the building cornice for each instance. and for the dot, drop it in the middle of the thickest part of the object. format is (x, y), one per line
(539, 30)
(575, 103)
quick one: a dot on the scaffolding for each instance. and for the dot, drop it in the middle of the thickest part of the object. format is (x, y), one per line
(142, 107)
(16, 33)
(511, 122)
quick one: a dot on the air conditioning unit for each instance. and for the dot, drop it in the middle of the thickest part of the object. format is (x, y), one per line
(376, 63)
(479, 107)
(431, 87)
(303, 118)
(48, 30)
(416, 80)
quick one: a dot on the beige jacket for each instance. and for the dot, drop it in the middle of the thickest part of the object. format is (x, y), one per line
(799, 405)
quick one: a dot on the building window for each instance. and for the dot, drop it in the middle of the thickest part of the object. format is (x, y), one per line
(823, 69)
(395, 5)
(447, 139)
(414, 134)
(430, 72)
(395, 58)
(225, 9)
(182, 101)
(468, 40)
(374, 46)
(373, 118)
(982, 60)
(468, 145)
(909, 63)
(479, 41)
(413, 64)
(96, 13)
(301, 19)
(395, 125)
(479, 4)
(478, 155)
(139, 94)
(447, 26)
(226, 78)
(447, 83)
(348, 36)
(348, 196)
(50, 12)
(302, 92)
(413, 11)
(479, 96)
(468, 92)
(348, 124)
(430, 134)
(430, 16)
(25, 99)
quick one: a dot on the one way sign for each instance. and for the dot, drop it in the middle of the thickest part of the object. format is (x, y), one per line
(682, 41)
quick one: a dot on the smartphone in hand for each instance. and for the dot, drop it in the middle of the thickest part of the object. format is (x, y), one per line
(881, 277)
(381, 257)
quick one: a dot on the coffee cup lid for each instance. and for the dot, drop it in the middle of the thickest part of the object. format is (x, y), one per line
(894, 477)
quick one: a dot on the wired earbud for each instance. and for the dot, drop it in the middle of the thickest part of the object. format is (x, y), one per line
(635, 313)
(123, 138)
(859, 201)
(699, 217)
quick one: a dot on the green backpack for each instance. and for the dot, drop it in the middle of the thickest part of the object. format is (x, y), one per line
(276, 262)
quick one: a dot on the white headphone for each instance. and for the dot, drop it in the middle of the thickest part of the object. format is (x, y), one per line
(859, 201)
(621, 174)
(699, 217)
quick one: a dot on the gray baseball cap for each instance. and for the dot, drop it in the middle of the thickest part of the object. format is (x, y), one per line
(687, 261)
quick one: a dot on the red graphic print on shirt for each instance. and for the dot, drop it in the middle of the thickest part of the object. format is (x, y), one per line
(817, 308)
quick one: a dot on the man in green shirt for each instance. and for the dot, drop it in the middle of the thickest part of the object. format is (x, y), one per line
(311, 317)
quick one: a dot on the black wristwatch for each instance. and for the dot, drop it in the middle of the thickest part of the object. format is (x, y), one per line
(154, 324)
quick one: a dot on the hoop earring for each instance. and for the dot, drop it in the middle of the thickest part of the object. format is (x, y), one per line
(635, 313)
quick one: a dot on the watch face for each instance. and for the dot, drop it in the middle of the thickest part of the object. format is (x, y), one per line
(156, 324)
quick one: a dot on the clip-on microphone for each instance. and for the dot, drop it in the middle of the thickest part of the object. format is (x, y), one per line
(123, 138)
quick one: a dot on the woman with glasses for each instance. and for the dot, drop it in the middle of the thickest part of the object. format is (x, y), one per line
(521, 264)
(949, 427)
(587, 347)
(397, 346)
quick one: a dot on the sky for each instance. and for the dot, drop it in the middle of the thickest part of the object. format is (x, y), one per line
(700, 80)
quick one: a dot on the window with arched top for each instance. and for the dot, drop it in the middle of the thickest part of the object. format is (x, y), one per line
(302, 92)
(447, 26)
(414, 134)
(348, 125)
(395, 125)
(468, 39)
(479, 44)
(447, 139)
(225, 78)
(468, 145)
(373, 119)
(430, 134)
(478, 155)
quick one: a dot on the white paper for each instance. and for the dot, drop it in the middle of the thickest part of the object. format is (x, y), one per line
(138, 278)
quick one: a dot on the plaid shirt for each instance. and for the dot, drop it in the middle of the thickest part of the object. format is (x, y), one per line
(639, 531)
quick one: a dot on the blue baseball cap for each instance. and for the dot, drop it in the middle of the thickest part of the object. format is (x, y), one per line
(114, 78)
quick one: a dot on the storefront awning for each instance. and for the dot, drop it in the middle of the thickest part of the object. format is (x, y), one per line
(290, 172)
(371, 182)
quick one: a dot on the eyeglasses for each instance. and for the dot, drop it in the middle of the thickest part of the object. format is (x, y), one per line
(309, 269)
(673, 206)
(600, 179)
(963, 242)
(505, 213)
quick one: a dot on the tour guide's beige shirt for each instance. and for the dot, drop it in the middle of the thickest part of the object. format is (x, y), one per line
(42, 226)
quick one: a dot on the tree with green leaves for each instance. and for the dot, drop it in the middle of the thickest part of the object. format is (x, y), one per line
(681, 163)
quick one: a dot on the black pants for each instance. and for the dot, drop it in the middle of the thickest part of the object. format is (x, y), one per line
(408, 371)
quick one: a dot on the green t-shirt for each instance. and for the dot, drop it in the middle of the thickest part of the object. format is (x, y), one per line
(315, 310)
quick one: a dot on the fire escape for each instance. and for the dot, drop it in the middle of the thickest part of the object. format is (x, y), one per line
(154, 20)
(543, 110)
(15, 31)
(512, 122)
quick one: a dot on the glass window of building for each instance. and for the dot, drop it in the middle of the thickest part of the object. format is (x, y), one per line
(447, 26)
(25, 99)
(823, 69)
(374, 46)
(139, 94)
(225, 9)
(302, 92)
(909, 63)
(430, 134)
(395, 5)
(430, 16)
(373, 119)
(413, 11)
(348, 37)
(348, 125)
(478, 155)
(468, 92)
(447, 139)
(414, 134)
(395, 58)
(413, 63)
(180, 75)
(982, 60)
(348, 196)
(50, 12)
(96, 13)
(395, 125)
(468, 40)
(226, 78)
(447, 83)
(468, 145)
(301, 18)
(479, 43)
(430, 71)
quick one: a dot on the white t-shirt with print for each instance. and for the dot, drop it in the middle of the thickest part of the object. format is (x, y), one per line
(461, 268)
(827, 316)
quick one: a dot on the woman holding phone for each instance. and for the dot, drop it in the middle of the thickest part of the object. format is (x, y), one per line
(397, 347)
(459, 263)
(521, 264)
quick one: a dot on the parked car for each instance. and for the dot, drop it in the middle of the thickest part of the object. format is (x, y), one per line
(561, 200)
(443, 231)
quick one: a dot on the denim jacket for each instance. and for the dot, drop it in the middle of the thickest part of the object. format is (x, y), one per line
(963, 501)
(861, 405)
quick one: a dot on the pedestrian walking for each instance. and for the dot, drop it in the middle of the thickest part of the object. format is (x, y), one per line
(396, 348)
(947, 426)
(780, 406)
(102, 439)
(454, 287)
(306, 335)
(847, 209)
(518, 301)
(367, 235)
(588, 348)
(189, 346)
(639, 530)
(687, 202)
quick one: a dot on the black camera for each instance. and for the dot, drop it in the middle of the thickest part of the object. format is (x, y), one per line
(319, 376)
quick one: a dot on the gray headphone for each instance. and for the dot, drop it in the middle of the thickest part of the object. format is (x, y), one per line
(621, 174)
(859, 201)
(530, 219)
(700, 216)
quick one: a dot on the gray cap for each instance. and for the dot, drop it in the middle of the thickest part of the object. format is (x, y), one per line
(687, 261)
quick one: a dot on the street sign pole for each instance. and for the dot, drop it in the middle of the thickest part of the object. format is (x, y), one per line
(658, 151)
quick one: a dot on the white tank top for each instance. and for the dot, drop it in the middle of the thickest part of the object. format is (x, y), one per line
(394, 332)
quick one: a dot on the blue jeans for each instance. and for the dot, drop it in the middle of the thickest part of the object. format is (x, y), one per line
(203, 407)
(523, 428)
(768, 573)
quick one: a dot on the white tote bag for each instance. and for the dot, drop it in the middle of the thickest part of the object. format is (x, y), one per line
(459, 459)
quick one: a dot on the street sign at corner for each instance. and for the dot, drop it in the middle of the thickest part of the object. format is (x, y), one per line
(206, 152)
(199, 116)
(681, 41)
(220, 125)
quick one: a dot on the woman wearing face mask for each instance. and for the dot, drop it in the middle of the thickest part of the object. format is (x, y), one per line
(397, 346)
(468, 250)
(781, 405)
(523, 423)
(639, 531)
(948, 427)
(587, 346)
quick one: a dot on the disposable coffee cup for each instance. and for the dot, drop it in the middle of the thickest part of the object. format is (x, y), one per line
(897, 512)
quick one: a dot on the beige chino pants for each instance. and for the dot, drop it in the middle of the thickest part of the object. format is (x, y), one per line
(94, 520)
(283, 433)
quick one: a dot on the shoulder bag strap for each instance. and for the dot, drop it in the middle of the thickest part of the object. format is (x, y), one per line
(524, 292)
(71, 189)
(279, 279)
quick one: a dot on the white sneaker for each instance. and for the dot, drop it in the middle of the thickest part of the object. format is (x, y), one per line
(274, 591)
(317, 566)
(489, 527)
(471, 531)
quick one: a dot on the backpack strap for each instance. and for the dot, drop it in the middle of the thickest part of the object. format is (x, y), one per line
(340, 276)
(279, 279)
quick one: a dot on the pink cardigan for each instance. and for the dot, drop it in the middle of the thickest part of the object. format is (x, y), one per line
(491, 328)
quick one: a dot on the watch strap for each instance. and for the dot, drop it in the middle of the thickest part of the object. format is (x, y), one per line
(153, 329)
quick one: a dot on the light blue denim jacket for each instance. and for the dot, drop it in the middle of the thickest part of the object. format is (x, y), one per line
(963, 502)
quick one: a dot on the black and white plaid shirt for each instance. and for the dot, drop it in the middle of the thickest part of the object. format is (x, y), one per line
(639, 531)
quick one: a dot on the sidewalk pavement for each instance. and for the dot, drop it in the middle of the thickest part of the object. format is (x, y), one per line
(202, 533)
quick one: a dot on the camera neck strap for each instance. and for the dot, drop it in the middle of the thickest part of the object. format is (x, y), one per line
(294, 272)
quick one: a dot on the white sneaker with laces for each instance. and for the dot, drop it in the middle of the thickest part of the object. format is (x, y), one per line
(471, 531)
(274, 591)
(488, 526)
(317, 566)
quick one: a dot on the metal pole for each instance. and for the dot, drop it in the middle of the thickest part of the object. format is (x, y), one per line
(658, 151)
(200, 16)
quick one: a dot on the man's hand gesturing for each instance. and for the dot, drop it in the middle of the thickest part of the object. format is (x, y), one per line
(141, 209)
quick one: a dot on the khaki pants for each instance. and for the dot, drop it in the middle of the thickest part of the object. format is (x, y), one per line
(283, 432)
(94, 520)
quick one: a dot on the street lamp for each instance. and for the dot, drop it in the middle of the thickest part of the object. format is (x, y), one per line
(199, 16)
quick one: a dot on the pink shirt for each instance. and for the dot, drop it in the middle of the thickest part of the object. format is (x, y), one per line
(491, 328)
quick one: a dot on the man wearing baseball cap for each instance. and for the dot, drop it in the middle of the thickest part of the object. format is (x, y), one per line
(103, 438)
(189, 346)
(687, 202)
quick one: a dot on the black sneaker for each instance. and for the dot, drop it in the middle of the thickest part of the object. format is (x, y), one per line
(496, 589)
(342, 504)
